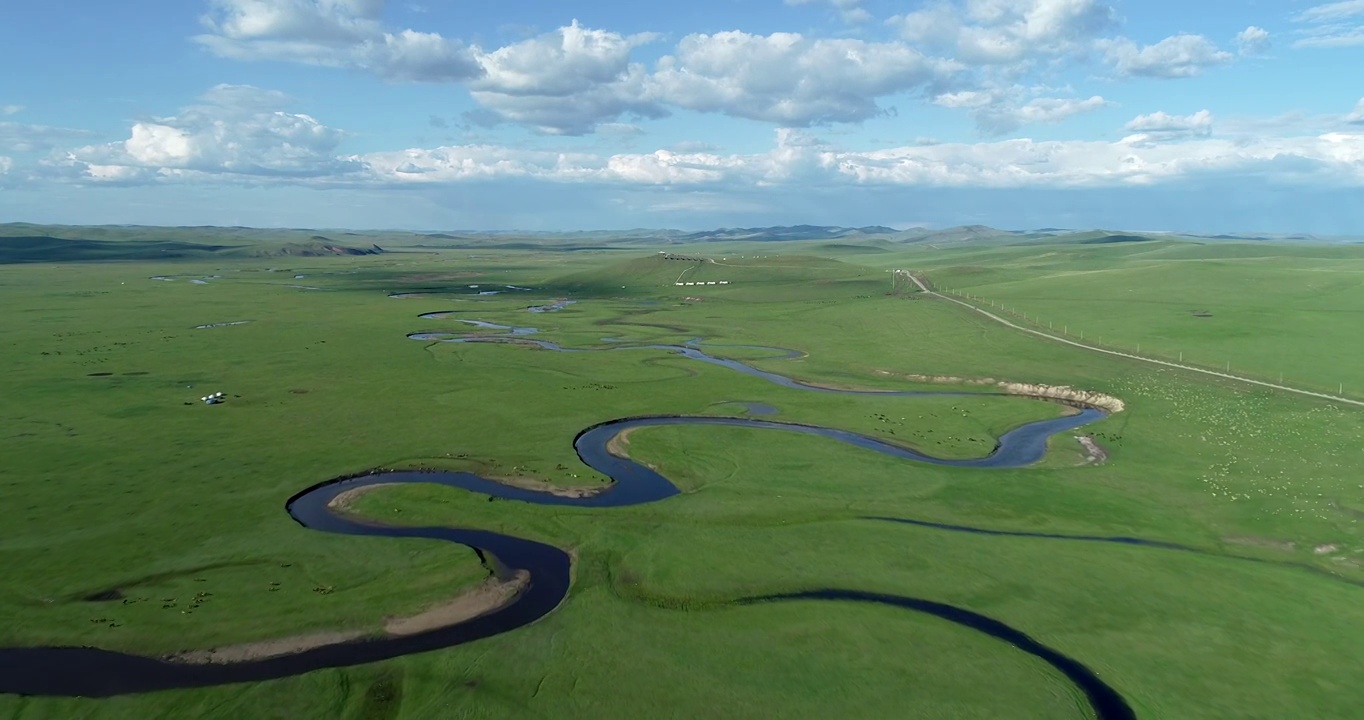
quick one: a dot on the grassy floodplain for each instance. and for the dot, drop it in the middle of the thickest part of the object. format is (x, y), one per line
(115, 477)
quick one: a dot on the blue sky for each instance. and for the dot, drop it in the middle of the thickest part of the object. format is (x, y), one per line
(1217, 115)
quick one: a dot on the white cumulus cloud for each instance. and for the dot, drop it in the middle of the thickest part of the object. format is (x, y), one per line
(571, 80)
(580, 113)
(11, 109)
(472, 162)
(1178, 56)
(1047, 110)
(1199, 123)
(1253, 41)
(208, 142)
(575, 79)
(333, 33)
(1333, 158)
(566, 81)
(235, 130)
(565, 61)
(1164, 127)
(116, 174)
(800, 160)
(1003, 42)
(790, 79)
(1001, 110)
(1006, 31)
(664, 167)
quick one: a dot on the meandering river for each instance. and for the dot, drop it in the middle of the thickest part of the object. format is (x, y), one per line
(94, 672)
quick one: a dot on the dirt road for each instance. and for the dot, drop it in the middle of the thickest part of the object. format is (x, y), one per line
(1130, 356)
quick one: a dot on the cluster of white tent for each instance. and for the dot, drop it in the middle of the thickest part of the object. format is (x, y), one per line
(708, 282)
(213, 399)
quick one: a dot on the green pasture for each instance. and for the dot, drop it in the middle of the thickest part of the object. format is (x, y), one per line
(1268, 311)
(124, 480)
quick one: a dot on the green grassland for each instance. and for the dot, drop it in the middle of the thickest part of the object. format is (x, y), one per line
(1263, 308)
(123, 480)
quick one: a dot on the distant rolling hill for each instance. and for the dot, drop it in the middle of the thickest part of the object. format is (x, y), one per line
(1116, 238)
(961, 234)
(782, 233)
(49, 249)
(318, 246)
(42, 248)
(26, 242)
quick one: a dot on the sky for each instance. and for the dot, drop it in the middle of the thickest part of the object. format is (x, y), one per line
(1206, 116)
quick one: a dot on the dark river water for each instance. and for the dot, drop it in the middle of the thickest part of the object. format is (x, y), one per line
(94, 672)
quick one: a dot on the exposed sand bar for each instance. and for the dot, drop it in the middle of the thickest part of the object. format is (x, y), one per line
(488, 597)
(247, 652)
(492, 595)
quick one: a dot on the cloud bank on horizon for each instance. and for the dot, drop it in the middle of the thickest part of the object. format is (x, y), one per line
(272, 112)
